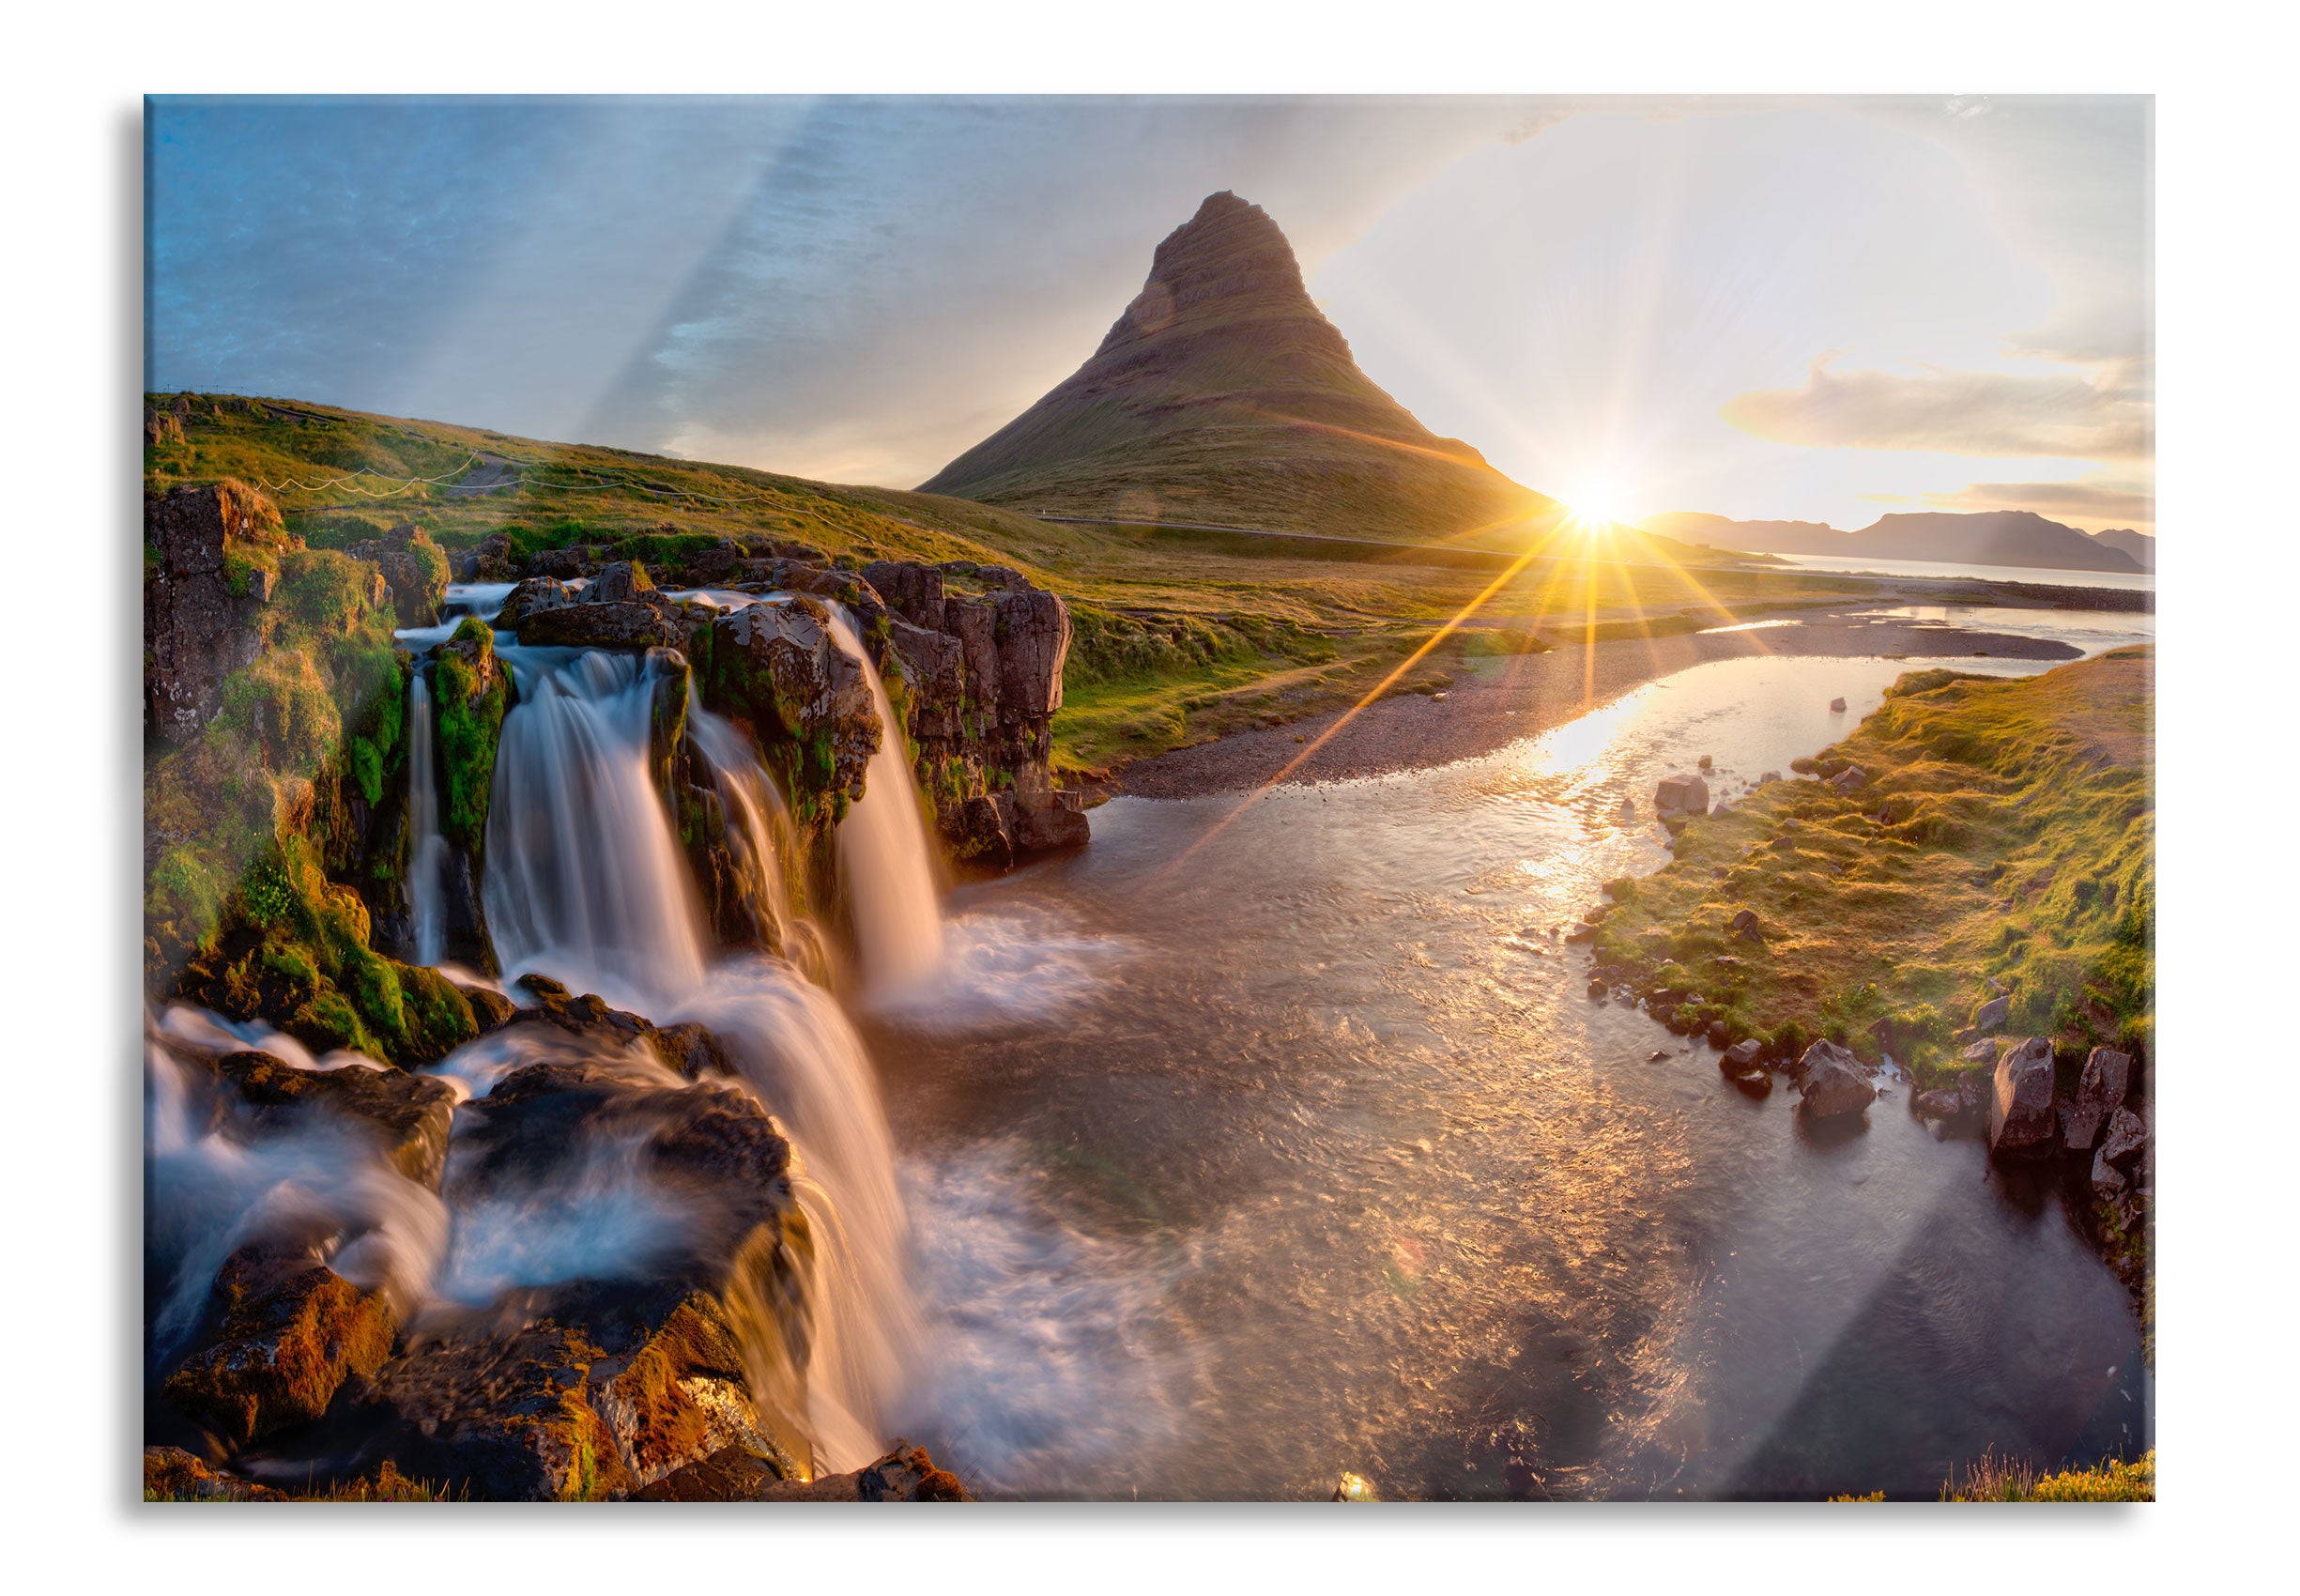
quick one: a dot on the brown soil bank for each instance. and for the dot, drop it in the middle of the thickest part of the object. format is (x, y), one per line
(1522, 694)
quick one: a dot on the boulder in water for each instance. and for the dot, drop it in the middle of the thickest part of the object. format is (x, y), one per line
(289, 1331)
(409, 1115)
(2022, 1121)
(739, 1474)
(532, 597)
(1833, 1082)
(601, 1386)
(632, 625)
(1683, 793)
(621, 582)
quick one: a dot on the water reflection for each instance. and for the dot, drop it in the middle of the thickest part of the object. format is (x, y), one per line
(1338, 1170)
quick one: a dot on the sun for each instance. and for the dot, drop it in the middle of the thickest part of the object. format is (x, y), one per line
(1594, 507)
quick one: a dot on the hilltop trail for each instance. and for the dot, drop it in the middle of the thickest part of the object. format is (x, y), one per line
(491, 471)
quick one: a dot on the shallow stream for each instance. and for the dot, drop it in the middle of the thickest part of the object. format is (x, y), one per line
(1286, 1142)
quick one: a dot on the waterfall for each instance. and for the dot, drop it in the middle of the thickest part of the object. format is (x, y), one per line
(884, 856)
(797, 1049)
(585, 880)
(427, 856)
(756, 816)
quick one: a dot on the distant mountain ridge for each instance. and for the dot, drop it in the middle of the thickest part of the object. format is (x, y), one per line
(1222, 394)
(1991, 537)
(2141, 545)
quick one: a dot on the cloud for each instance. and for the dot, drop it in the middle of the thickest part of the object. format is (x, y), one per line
(2062, 416)
(2095, 501)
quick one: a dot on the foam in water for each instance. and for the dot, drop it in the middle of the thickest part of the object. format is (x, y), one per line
(884, 858)
(1053, 1356)
(206, 1193)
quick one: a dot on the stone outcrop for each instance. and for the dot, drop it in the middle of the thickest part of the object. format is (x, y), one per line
(598, 1388)
(2100, 1093)
(739, 1474)
(971, 657)
(778, 666)
(408, 1114)
(2021, 1122)
(982, 686)
(290, 1332)
(414, 568)
(492, 559)
(1831, 1082)
(197, 625)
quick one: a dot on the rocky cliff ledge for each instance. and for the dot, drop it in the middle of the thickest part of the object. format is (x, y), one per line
(971, 655)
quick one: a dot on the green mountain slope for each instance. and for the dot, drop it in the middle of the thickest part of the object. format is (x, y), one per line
(1222, 395)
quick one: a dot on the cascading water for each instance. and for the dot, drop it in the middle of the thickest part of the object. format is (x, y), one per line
(884, 856)
(428, 856)
(586, 882)
(755, 818)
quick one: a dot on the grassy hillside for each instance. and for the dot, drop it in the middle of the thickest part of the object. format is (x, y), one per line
(1181, 633)
(2006, 830)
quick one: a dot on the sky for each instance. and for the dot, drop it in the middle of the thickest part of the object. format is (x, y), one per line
(1804, 309)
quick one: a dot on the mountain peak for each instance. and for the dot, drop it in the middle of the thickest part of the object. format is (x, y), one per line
(1223, 395)
(1230, 253)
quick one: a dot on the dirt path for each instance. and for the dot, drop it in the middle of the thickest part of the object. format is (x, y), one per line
(1528, 694)
(491, 472)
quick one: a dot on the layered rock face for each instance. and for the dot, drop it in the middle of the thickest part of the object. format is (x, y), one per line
(1222, 394)
(982, 675)
(971, 657)
(196, 625)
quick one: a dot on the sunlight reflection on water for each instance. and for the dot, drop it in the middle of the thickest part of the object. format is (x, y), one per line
(1339, 1169)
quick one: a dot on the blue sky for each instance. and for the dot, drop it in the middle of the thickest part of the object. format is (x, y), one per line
(1817, 309)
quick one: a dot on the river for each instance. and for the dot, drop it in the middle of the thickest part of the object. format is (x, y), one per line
(1283, 1142)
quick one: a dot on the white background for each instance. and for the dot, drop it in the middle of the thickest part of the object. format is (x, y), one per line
(68, 1429)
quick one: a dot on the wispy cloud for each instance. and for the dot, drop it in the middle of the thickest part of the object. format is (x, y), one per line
(2057, 416)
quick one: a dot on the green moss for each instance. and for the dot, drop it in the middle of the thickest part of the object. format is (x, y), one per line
(367, 769)
(326, 591)
(1899, 901)
(471, 694)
